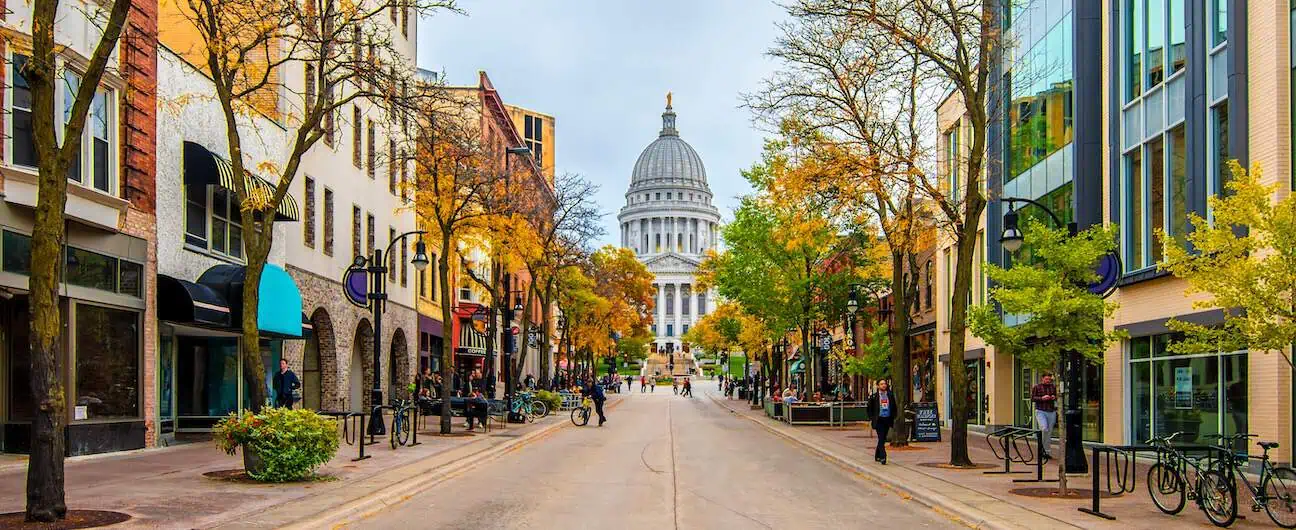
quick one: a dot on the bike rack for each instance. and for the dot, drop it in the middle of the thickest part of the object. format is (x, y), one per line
(1121, 459)
(1006, 436)
(1039, 462)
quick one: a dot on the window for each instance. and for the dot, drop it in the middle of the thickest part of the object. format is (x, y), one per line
(404, 177)
(357, 135)
(927, 283)
(684, 330)
(370, 153)
(1040, 113)
(702, 303)
(212, 221)
(1220, 16)
(308, 224)
(391, 257)
(82, 267)
(356, 233)
(670, 330)
(1202, 394)
(329, 117)
(1156, 25)
(391, 10)
(328, 222)
(1133, 50)
(405, 21)
(404, 264)
(659, 196)
(391, 166)
(1175, 22)
(952, 159)
(94, 165)
(370, 233)
(949, 289)
(1134, 208)
(309, 77)
(1220, 136)
(422, 282)
(107, 362)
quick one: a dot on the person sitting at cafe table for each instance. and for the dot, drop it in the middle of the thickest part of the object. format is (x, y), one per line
(790, 395)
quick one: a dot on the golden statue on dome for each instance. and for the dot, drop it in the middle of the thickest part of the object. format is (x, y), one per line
(668, 99)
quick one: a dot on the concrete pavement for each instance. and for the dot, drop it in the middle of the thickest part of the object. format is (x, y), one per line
(662, 461)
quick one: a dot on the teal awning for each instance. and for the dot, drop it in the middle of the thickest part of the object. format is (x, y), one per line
(279, 313)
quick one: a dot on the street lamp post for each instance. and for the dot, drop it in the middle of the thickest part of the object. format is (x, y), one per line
(509, 344)
(1012, 240)
(377, 269)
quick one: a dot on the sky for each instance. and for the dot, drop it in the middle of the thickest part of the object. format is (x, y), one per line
(602, 69)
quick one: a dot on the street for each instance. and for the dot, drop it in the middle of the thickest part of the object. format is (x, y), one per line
(661, 461)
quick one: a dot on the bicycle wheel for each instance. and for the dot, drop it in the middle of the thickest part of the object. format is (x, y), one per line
(1165, 486)
(579, 417)
(1279, 490)
(540, 408)
(529, 410)
(395, 428)
(1217, 498)
(406, 423)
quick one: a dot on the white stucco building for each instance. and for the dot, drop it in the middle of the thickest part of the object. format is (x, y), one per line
(669, 221)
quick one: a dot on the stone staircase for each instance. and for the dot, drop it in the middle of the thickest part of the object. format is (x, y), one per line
(659, 364)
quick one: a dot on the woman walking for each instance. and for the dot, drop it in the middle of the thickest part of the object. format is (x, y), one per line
(882, 410)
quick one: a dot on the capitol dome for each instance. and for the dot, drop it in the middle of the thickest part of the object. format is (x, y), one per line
(669, 160)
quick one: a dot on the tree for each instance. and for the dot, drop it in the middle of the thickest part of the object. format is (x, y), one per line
(454, 194)
(610, 294)
(349, 56)
(857, 102)
(45, 495)
(960, 41)
(1050, 291)
(1246, 261)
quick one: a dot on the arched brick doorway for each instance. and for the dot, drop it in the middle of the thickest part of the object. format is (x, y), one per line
(398, 366)
(360, 375)
(320, 375)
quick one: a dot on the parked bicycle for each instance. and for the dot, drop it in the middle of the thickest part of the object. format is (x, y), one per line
(580, 415)
(1275, 489)
(528, 408)
(402, 421)
(1176, 477)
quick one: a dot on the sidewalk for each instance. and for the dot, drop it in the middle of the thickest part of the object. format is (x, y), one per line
(166, 488)
(980, 500)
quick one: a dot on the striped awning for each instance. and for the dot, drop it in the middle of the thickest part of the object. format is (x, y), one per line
(201, 166)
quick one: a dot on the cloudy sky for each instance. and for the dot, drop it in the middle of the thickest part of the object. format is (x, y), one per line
(603, 68)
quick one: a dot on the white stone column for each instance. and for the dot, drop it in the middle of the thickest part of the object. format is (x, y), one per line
(661, 310)
(679, 311)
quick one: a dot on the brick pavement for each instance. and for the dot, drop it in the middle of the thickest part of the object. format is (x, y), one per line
(165, 488)
(981, 500)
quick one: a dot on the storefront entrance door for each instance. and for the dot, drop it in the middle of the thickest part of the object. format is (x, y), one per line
(207, 380)
(166, 387)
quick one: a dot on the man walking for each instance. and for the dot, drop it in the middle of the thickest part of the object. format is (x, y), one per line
(285, 384)
(675, 385)
(1044, 395)
(688, 388)
(595, 392)
(882, 408)
(629, 383)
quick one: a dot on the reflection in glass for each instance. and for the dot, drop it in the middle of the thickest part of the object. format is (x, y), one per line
(1133, 49)
(1155, 43)
(1178, 53)
(1178, 184)
(107, 362)
(1156, 192)
(1134, 223)
(1040, 114)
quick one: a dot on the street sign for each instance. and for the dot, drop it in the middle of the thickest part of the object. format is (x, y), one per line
(355, 284)
(1109, 272)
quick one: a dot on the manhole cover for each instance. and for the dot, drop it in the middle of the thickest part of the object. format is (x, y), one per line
(946, 465)
(74, 519)
(1051, 492)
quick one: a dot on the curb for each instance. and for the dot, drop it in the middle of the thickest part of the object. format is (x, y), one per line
(382, 498)
(963, 513)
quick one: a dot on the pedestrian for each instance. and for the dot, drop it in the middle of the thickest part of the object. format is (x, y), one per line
(882, 409)
(1044, 395)
(595, 392)
(688, 388)
(530, 382)
(675, 385)
(629, 383)
(285, 385)
(652, 389)
(643, 384)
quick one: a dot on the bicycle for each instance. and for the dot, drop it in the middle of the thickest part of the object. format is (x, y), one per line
(1274, 491)
(580, 415)
(401, 427)
(1169, 483)
(539, 408)
(522, 406)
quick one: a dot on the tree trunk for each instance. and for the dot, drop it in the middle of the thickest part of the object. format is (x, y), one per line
(900, 384)
(253, 366)
(447, 320)
(974, 204)
(1062, 433)
(546, 316)
(45, 494)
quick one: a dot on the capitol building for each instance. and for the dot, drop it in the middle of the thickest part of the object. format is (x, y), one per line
(669, 221)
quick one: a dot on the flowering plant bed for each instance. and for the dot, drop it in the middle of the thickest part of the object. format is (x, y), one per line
(279, 444)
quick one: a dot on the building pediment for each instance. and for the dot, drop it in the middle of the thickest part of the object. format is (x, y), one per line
(671, 262)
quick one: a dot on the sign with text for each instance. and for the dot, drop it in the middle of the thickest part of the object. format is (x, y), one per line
(926, 427)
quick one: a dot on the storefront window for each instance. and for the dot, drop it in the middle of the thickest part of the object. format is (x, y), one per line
(1024, 378)
(21, 405)
(90, 269)
(1200, 395)
(206, 379)
(107, 363)
(17, 253)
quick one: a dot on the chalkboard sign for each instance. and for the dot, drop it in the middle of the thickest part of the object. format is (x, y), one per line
(926, 426)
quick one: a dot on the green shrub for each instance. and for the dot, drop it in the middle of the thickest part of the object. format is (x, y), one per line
(292, 443)
(552, 400)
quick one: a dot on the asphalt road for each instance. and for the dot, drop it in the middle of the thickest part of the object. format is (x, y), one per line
(661, 461)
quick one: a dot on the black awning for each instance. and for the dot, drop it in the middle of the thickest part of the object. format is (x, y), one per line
(191, 303)
(205, 168)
